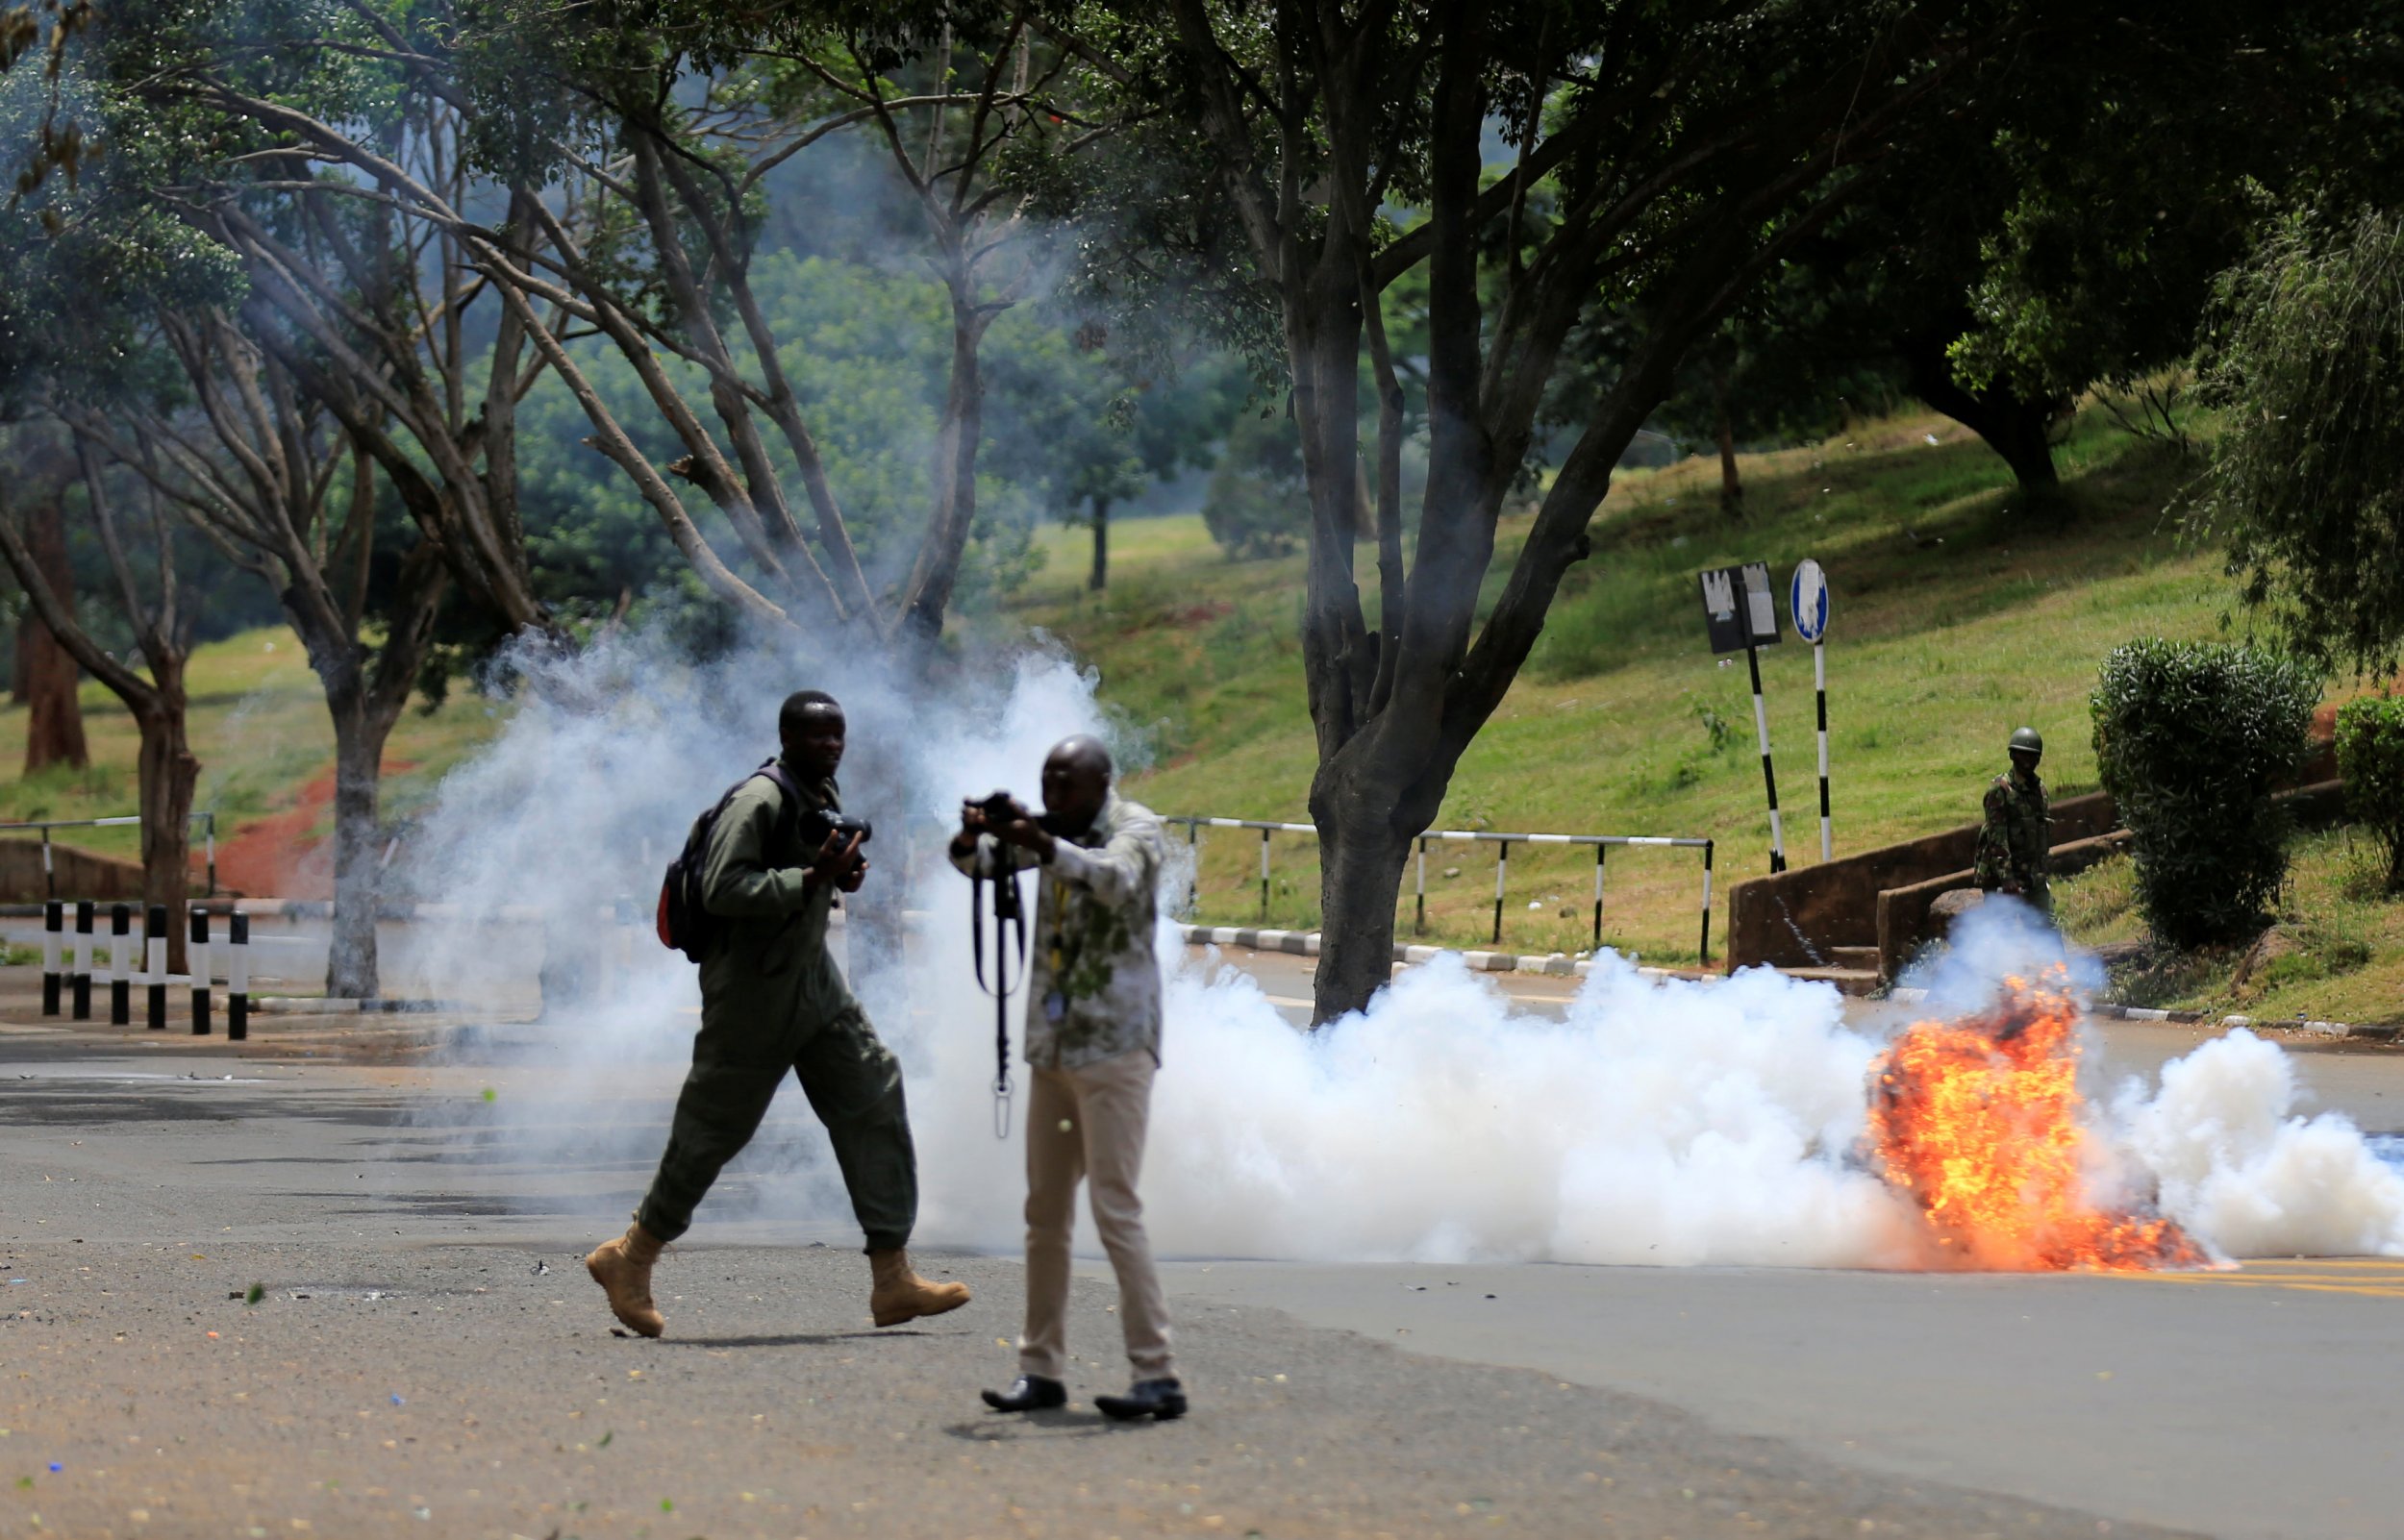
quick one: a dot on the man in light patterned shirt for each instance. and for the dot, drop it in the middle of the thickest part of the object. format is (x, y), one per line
(1093, 1040)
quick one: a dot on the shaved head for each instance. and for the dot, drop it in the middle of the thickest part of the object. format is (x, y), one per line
(1084, 753)
(1076, 781)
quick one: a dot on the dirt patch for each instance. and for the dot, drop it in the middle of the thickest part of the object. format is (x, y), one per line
(1189, 616)
(282, 856)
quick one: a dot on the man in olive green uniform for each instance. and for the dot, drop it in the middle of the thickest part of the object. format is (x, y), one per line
(2018, 834)
(772, 1001)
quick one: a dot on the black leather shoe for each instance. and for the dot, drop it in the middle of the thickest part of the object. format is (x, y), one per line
(1163, 1398)
(1032, 1393)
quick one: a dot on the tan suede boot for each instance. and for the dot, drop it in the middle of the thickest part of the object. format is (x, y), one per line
(622, 1267)
(901, 1295)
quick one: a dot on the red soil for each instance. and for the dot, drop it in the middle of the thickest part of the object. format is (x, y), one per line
(280, 856)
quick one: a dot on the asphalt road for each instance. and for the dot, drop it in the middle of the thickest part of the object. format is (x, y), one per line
(426, 1358)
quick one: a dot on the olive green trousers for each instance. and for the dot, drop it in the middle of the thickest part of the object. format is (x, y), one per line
(854, 1085)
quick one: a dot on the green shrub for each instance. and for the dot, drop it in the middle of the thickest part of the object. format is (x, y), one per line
(2371, 756)
(1258, 504)
(2190, 740)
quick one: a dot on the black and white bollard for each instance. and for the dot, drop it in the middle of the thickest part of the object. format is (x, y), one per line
(120, 975)
(81, 1009)
(1264, 875)
(1418, 914)
(1706, 951)
(1598, 896)
(155, 973)
(1502, 869)
(53, 939)
(198, 948)
(237, 978)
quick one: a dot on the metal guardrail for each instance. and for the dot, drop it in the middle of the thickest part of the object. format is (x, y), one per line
(1502, 841)
(208, 822)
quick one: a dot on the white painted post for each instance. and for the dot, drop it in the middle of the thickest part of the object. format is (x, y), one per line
(1819, 687)
(53, 923)
(120, 970)
(237, 978)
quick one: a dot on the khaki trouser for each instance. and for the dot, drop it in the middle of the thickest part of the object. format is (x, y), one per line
(1105, 1106)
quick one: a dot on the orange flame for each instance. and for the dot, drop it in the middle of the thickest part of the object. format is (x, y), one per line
(1978, 1121)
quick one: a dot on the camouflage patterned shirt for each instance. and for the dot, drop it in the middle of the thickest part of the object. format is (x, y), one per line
(1093, 985)
(2017, 838)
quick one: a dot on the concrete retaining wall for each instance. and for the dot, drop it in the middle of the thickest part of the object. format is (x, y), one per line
(81, 873)
(1902, 912)
(1785, 919)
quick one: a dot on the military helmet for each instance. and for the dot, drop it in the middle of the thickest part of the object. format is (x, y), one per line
(2027, 738)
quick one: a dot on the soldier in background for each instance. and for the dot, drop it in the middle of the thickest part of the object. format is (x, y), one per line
(2018, 834)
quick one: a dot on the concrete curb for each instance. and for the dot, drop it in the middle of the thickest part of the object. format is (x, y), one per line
(341, 1005)
(1306, 944)
(2199, 1018)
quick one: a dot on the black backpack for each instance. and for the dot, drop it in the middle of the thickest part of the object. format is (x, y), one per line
(686, 925)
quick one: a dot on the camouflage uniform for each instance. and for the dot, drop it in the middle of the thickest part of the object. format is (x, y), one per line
(2017, 838)
(773, 1002)
(1093, 1036)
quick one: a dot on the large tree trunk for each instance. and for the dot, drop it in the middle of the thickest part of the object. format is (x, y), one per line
(2018, 430)
(1362, 856)
(167, 773)
(359, 740)
(1731, 487)
(54, 732)
(1101, 545)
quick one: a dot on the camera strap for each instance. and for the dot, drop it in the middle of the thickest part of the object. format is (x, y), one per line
(1008, 915)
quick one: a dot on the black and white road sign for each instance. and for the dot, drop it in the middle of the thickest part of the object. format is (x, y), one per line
(1740, 607)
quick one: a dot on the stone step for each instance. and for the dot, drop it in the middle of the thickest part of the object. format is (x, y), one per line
(1853, 958)
(1848, 980)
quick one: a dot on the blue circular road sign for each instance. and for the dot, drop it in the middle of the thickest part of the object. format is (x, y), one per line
(1807, 601)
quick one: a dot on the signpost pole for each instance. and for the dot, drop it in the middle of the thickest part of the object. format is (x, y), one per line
(1807, 601)
(1819, 687)
(1769, 776)
(1739, 611)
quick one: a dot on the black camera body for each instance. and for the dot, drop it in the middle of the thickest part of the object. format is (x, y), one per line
(1000, 809)
(818, 826)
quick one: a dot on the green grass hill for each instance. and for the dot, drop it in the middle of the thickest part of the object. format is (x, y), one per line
(1958, 615)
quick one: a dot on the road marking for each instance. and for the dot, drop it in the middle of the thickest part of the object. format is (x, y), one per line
(2373, 1277)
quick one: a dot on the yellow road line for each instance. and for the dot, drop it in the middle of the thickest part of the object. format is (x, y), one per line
(2317, 1286)
(2372, 1276)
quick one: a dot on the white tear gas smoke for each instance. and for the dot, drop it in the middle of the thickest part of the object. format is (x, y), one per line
(1659, 1123)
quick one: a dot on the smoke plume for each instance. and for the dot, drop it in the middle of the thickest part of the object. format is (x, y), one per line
(1672, 1123)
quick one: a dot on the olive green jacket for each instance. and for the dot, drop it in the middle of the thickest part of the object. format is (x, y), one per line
(2017, 839)
(771, 964)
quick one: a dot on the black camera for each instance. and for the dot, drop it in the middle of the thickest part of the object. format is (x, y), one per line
(818, 826)
(1001, 809)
